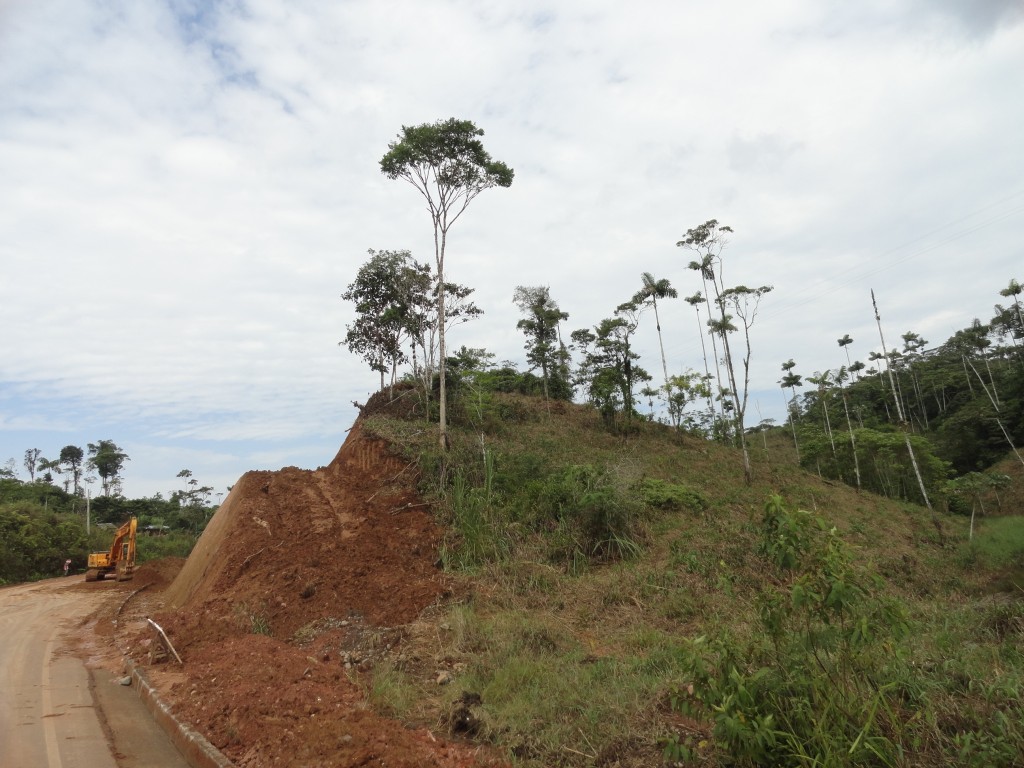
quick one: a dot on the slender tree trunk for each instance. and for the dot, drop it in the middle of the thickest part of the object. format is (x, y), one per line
(992, 380)
(714, 345)
(999, 421)
(442, 400)
(920, 399)
(828, 421)
(791, 408)
(853, 440)
(748, 472)
(967, 375)
(664, 364)
(707, 370)
(903, 422)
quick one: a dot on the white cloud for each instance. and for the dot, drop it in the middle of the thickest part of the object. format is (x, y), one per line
(188, 188)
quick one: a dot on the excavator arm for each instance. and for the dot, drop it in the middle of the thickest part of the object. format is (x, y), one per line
(121, 557)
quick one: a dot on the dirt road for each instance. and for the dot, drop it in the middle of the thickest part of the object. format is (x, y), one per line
(49, 717)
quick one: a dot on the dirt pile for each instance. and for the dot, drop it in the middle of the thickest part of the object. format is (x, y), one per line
(301, 581)
(293, 546)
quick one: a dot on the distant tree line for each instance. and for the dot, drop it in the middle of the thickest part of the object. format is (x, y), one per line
(960, 402)
(41, 525)
(43, 519)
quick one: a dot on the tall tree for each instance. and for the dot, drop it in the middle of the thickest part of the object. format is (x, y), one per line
(903, 420)
(447, 164)
(651, 291)
(107, 459)
(845, 342)
(706, 242)
(543, 346)
(792, 380)
(32, 458)
(841, 376)
(71, 457)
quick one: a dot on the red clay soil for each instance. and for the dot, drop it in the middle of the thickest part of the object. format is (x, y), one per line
(300, 581)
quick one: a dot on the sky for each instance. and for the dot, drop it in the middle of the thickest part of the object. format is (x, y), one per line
(187, 188)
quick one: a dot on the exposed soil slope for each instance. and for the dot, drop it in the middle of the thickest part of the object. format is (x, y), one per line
(300, 581)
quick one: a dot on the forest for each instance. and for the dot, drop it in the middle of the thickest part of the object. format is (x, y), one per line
(51, 516)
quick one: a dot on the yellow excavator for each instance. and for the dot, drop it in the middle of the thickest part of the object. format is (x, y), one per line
(121, 557)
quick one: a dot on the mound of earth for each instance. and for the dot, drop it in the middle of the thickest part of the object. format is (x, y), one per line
(300, 582)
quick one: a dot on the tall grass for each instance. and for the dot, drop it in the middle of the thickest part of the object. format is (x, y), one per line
(1000, 541)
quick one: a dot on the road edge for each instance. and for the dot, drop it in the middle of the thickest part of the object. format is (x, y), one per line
(194, 747)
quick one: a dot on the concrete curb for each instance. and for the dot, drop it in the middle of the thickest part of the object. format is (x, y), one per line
(193, 746)
(197, 751)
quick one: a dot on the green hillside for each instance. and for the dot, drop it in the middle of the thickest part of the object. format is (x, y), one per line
(629, 600)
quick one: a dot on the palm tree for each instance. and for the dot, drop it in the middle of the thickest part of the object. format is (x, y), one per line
(792, 380)
(845, 342)
(903, 421)
(652, 291)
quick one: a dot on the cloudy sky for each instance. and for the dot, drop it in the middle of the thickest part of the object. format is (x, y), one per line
(187, 187)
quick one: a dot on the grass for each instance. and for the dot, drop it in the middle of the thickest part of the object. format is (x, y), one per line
(999, 541)
(574, 650)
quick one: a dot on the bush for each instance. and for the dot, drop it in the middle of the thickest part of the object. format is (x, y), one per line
(595, 516)
(662, 495)
(34, 543)
(823, 686)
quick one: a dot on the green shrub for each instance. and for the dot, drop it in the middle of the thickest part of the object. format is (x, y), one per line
(593, 515)
(823, 685)
(661, 495)
(786, 536)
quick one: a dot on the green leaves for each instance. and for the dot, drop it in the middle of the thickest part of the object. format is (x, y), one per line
(447, 154)
(824, 687)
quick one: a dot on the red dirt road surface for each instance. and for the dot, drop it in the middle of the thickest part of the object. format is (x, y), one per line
(301, 580)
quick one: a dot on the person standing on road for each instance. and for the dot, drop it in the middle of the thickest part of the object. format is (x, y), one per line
(67, 567)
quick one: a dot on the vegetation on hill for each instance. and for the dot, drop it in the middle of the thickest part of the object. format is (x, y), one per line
(679, 586)
(632, 601)
(963, 400)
